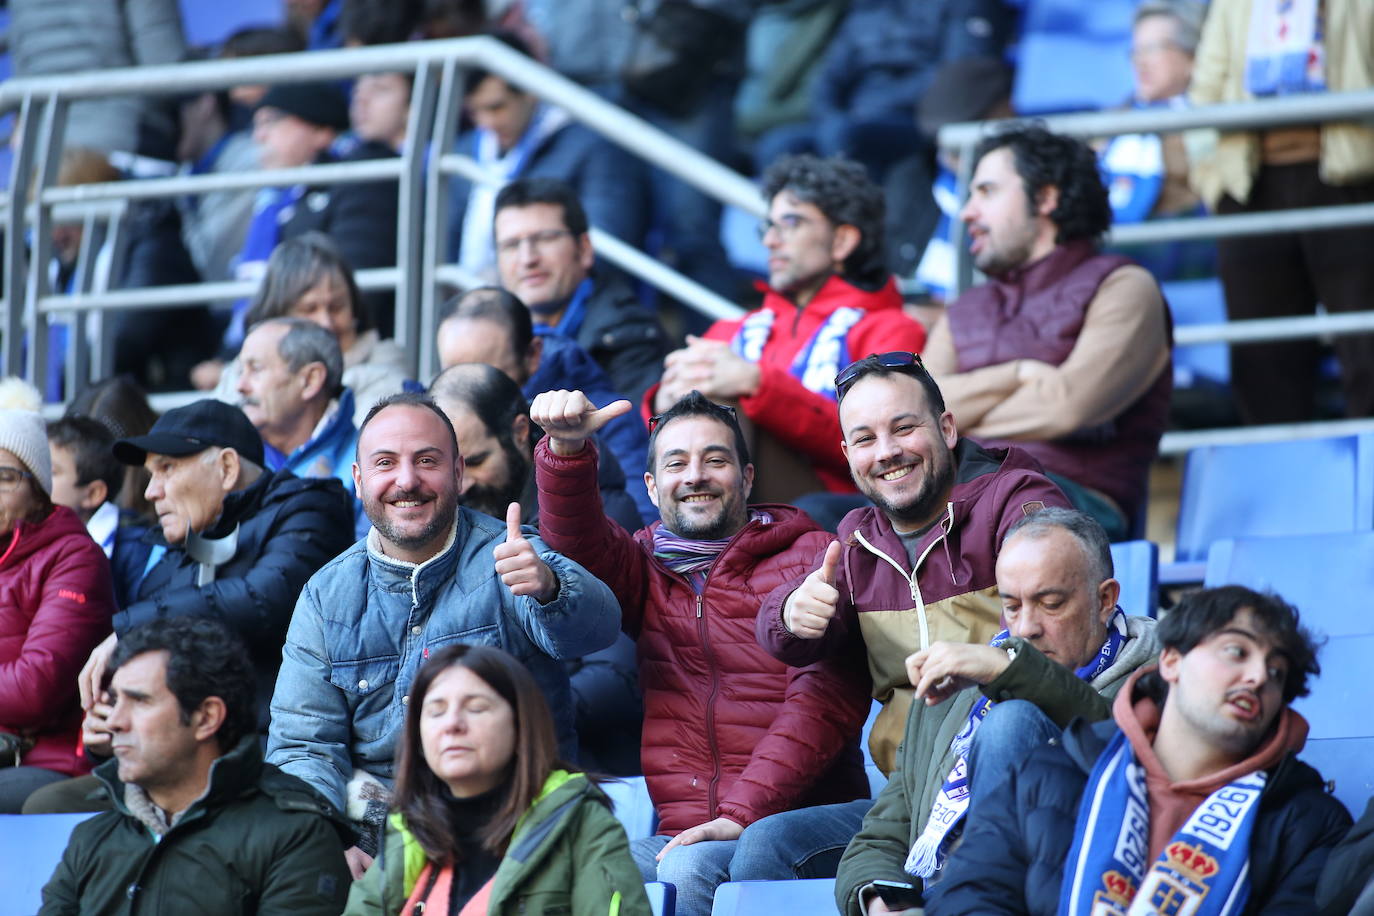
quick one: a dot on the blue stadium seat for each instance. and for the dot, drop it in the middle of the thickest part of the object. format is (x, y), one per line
(632, 805)
(1304, 486)
(1326, 576)
(748, 898)
(1073, 56)
(662, 898)
(1198, 302)
(1137, 569)
(31, 845)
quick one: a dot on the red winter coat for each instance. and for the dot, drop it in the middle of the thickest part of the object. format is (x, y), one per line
(803, 416)
(728, 730)
(56, 602)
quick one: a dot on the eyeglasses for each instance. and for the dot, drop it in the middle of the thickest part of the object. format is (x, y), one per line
(11, 477)
(537, 241)
(786, 224)
(1153, 47)
(724, 409)
(898, 360)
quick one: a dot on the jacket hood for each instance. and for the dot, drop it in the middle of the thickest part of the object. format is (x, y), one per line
(29, 538)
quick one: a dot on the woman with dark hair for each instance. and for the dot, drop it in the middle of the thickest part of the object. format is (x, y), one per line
(487, 819)
(307, 277)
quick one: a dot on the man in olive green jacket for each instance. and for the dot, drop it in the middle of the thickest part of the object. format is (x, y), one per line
(1067, 650)
(201, 824)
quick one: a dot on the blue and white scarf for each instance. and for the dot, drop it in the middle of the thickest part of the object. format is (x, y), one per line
(816, 364)
(477, 253)
(931, 848)
(1203, 871)
(1285, 51)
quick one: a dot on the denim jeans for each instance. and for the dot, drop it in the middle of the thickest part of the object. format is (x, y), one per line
(694, 870)
(805, 843)
(1009, 732)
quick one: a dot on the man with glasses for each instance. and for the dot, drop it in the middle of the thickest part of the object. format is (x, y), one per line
(731, 735)
(1065, 351)
(915, 568)
(545, 257)
(829, 298)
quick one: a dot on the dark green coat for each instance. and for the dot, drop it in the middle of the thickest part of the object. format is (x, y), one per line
(568, 856)
(924, 758)
(259, 841)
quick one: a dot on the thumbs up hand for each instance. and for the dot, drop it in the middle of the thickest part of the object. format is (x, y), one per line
(519, 566)
(808, 610)
(571, 419)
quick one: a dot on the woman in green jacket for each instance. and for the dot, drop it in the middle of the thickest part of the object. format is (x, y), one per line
(486, 819)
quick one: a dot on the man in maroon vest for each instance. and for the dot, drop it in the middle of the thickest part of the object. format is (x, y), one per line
(1065, 351)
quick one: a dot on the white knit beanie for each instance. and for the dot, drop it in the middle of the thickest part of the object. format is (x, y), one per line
(24, 433)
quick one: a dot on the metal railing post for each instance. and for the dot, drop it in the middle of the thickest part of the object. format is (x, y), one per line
(48, 160)
(436, 213)
(410, 213)
(16, 256)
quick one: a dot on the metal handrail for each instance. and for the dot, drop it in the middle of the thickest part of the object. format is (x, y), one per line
(438, 68)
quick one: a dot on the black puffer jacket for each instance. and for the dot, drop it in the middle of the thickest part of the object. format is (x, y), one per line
(258, 841)
(291, 526)
(1020, 834)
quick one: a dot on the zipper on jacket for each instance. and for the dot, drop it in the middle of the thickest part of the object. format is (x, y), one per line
(922, 621)
(698, 607)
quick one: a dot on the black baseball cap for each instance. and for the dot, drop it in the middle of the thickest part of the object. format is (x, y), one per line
(322, 104)
(194, 428)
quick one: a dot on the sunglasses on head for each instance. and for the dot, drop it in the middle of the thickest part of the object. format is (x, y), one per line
(897, 360)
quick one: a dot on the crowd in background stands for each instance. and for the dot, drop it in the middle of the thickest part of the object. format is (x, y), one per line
(435, 596)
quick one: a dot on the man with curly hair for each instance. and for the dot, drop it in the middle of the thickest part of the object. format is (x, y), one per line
(829, 301)
(1065, 351)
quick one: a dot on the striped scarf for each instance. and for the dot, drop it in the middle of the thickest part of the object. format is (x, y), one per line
(692, 557)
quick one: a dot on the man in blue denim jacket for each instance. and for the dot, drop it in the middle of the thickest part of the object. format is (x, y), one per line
(428, 574)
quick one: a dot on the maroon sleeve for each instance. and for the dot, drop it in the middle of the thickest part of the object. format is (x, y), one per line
(839, 637)
(75, 604)
(573, 522)
(824, 710)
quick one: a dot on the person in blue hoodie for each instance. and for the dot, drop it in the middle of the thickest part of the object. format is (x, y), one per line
(291, 389)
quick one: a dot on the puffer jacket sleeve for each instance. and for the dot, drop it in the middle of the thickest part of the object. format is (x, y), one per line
(880, 848)
(313, 527)
(311, 720)
(823, 711)
(607, 881)
(75, 600)
(583, 618)
(1054, 689)
(572, 522)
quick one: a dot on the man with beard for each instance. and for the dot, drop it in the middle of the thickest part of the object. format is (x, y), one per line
(915, 568)
(496, 439)
(422, 579)
(1064, 352)
(1189, 799)
(731, 735)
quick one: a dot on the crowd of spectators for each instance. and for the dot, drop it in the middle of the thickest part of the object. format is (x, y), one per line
(339, 639)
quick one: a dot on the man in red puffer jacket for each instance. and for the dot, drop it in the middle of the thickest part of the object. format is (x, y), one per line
(731, 735)
(56, 600)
